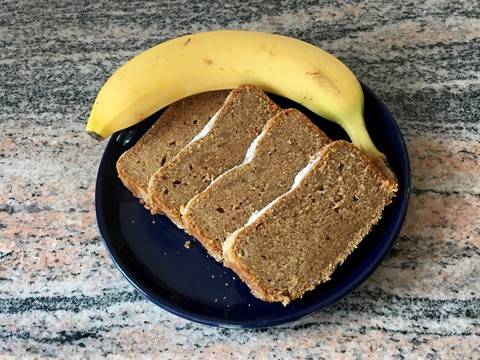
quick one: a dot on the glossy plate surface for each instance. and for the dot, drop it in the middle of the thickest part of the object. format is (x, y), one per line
(150, 252)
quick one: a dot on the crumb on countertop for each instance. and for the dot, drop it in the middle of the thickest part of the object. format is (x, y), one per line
(187, 244)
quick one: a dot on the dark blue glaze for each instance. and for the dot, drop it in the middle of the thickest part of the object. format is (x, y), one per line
(149, 250)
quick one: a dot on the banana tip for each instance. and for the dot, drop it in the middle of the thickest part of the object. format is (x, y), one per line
(95, 135)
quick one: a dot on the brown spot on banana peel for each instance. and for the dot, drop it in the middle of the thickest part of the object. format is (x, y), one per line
(322, 77)
(208, 61)
(188, 41)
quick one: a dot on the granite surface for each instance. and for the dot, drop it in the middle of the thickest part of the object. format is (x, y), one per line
(60, 294)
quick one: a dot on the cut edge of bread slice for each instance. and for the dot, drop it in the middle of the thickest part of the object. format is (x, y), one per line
(233, 261)
(162, 207)
(198, 232)
(157, 198)
(136, 165)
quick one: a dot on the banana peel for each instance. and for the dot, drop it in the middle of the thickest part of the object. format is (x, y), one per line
(225, 59)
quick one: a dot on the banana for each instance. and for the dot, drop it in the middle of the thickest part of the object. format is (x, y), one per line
(217, 60)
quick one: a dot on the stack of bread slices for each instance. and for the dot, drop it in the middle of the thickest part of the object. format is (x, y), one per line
(264, 190)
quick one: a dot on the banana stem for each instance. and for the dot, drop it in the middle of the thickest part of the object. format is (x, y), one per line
(357, 131)
(360, 137)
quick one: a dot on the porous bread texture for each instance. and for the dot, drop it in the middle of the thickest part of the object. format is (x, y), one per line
(175, 128)
(305, 234)
(223, 146)
(283, 148)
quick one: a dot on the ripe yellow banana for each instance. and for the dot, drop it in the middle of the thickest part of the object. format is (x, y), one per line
(226, 59)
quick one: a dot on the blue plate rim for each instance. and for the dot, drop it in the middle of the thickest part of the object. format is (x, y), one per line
(207, 320)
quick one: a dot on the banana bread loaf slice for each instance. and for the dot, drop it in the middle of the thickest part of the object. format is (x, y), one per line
(297, 241)
(283, 148)
(220, 145)
(177, 126)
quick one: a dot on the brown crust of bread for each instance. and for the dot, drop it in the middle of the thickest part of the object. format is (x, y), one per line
(161, 206)
(128, 181)
(208, 243)
(212, 246)
(232, 261)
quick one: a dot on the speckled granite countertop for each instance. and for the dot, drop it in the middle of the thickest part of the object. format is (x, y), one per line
(59, 292)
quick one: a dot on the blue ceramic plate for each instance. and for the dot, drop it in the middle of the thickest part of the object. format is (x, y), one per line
(150, 252)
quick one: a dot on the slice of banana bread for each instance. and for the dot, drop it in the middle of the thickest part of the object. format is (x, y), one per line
(177, 126)
(220, 146)
(283, 148)
(297, 241)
